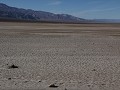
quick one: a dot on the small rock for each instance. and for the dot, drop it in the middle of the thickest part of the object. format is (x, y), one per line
(94, 70)
(53, 86)
(39, 81)
(103, 84)
(65, 88)
(9, 78)
(25, 81)
(89, 85)
(13, 66)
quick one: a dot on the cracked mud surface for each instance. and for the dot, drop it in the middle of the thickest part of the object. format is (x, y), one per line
(64, 56)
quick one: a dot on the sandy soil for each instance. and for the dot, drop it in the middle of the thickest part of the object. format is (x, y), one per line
(59, 56)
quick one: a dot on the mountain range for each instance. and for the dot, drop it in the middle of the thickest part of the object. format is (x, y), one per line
(18, 14)
(107, 20)
(7, 12)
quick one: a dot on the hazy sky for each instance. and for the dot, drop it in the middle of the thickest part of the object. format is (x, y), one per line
(89, 9)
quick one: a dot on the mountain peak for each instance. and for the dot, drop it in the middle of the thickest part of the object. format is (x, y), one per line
(3, 5)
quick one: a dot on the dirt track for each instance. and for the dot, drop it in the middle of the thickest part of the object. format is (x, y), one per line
(71, 56)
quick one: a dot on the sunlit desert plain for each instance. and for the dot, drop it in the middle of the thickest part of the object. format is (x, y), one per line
(46, 56)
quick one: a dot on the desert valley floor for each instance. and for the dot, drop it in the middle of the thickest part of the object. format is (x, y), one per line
(45, 56)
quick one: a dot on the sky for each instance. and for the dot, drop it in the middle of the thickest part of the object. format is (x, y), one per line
(88, 9)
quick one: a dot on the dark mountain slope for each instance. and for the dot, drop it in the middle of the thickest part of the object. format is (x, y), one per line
(28, 14)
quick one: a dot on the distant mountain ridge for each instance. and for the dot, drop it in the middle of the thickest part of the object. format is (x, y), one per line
(28, 14)
(8, 13)
(107, 20)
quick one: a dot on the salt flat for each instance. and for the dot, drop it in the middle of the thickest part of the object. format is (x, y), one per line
(67, 56)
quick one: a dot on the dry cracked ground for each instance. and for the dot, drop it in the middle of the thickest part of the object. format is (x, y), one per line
(39, 56)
